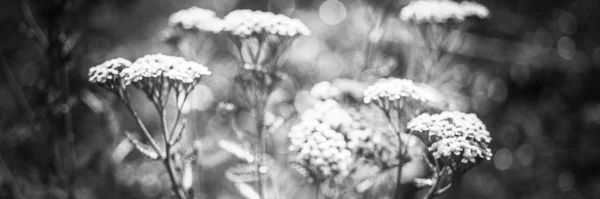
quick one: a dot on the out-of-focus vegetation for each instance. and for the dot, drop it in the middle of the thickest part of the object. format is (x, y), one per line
(529, 72)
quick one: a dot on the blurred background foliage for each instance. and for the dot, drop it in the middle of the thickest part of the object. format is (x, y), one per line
(531, 72)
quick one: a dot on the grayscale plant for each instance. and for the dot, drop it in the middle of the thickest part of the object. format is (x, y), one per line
(457, 141)
(161, 78)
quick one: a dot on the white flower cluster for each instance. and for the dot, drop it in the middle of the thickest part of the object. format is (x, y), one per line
(441, 11)
(369, 138)
(283, 26)
(196, 18)
(393, 93)
(325, 90)
(158, 66)
(243, 23)
(319, 141)
(453, 136)
(107, 73)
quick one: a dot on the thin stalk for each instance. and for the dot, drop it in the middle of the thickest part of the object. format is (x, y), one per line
(39, 34)
(436, 177)
(142, 126)
(259, 126)
(14, 86)
(430, 193)
(167, 161)
(442, 190)
(318, 191)
(400, 163)
(178, 114)
(387, 7)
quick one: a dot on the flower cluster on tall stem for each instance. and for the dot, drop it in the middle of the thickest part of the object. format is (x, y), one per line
(457, 141)
(320, 142)
(261, 38)
(190, 30)
(399, 99)
(441, 26)
(160, 77)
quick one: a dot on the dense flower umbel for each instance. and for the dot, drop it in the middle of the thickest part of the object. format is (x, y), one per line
(153, 73)
(455, 138)
(107, 73)
(393, 93)
(319, 141)
(196, 18)
(163, 66)
(441, 11)
(243, 23)
(371, 138)
(283, 26)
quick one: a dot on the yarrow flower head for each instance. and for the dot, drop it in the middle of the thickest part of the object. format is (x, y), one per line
(441, 11)
(152, 73)
(243, 23)
(394, 93)
(283, 26)
(370, 138)
(198, 19)
(325, 90)
(319, 141)
(456, 139)
(107, 73)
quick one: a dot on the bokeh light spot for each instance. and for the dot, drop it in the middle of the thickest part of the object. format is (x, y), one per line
(520, 74)
(525, 154)
(503, 159)
(200, 99)
(566, 180)
(303, 101)
(332, 12)
(566, 48)
(461, 74)
(150, 185)
(480, 85)
(305, 49)
(497, 90)
(125, 175)
(567, 23)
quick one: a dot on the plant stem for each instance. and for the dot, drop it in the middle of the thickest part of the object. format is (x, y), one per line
(397, 192)
(14, 86)
(167, 161)
(431, 191)
(318, 191)
(143, 127)
(400, 155)
(436, 177)
(259, 126)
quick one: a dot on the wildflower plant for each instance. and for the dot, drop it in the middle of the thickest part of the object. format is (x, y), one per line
(457, 141)
(320, 142)
(370, 138)
(260, 38)
(160, 78)
(190, 31)
(196, 19)
(400, 100)
(441, 25)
